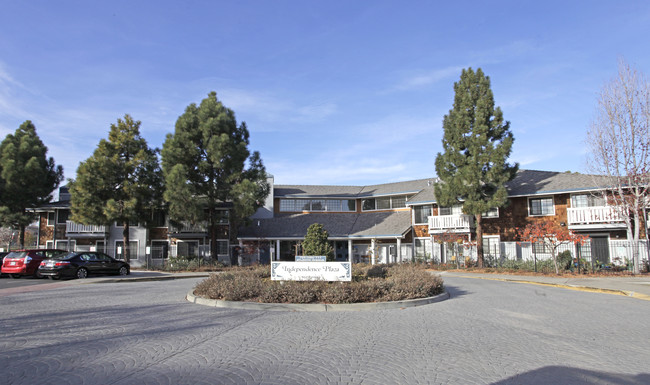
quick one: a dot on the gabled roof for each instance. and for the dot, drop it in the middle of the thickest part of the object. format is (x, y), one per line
(534, 182)
(338, 225)
(350, 192)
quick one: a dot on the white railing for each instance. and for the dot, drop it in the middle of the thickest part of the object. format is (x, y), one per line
(78, 228)
(591, 215)
(442, 223)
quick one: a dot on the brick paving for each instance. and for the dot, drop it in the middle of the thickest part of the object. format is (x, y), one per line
(487, 332)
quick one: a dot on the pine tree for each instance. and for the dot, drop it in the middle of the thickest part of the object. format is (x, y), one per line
(207, 164)
(477, 142)
(316, 242)
(121, 182)
(27, 177)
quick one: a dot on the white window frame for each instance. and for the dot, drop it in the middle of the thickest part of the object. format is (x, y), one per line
(455, 210)
(137, 247)
(486, 214)
(498, 238)
(51, 223)
(587, 195)
(528, 205)
(426, 219)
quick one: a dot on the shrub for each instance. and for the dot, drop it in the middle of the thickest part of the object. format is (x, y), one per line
(374, 283)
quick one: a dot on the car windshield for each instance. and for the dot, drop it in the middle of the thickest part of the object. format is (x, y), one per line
(16, 254)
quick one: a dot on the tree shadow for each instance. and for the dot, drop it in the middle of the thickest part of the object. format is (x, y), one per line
(568, 375)
(455, 291)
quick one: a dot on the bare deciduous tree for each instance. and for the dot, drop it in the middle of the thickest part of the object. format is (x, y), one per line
(619, 144)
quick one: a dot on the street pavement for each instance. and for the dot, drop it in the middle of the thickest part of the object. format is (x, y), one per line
(489, 332)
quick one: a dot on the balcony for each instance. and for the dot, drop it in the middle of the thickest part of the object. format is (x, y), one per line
(450, 223)
(73, 229)
(603, 217)
(188, 228)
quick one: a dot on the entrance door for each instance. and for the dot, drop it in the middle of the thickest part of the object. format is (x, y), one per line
(600, 249)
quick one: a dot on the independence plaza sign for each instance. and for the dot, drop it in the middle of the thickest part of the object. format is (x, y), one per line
(309, 268)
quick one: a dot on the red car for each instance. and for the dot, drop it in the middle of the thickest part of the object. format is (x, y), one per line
(26, 262)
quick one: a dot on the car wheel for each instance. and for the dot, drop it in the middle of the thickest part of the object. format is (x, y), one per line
(14, 276)
(37, 275)
(123, 270)
(82, 273)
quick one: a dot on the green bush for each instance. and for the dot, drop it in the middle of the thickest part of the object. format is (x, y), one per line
(386, 283)
(565, 260)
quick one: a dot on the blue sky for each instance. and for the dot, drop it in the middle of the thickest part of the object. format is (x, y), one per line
(333, 92)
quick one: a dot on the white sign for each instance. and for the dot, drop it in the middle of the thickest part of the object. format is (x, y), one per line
(311, 271)
(311, 258)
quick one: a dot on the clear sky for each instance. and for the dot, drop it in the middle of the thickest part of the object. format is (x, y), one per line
(333, 92)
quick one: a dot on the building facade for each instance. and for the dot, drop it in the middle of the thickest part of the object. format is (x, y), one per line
(402, 221)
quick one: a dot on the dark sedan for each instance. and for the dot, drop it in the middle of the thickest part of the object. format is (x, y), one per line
(81, 264)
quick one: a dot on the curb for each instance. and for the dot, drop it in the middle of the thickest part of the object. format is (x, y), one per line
(567, 286)
(315, 306)
(140, 279)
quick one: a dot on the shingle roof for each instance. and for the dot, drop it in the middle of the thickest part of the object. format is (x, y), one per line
(530, 182)
(338, 225)
(352, 192)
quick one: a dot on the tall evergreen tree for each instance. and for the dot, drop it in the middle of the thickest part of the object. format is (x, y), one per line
(317, 243)
(27, 177)
(120, 182)
(206, 164)
(477, 143)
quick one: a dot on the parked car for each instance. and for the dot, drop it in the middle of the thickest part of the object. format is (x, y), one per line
(2, 257)
(26, 262)
(81, 264)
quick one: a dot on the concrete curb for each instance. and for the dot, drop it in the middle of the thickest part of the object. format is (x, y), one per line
(141, 279)
(315, 306)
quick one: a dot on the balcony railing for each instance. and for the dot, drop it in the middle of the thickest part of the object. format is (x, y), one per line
(451, 223)
(78, 228)
(594, 215)
(187, 227)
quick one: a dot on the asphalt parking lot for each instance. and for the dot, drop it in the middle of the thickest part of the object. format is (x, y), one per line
(488, 332)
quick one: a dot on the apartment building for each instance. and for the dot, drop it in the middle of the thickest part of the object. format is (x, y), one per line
(402, 221)
(385, 223)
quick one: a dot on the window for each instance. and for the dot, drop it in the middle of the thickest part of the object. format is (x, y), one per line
(541, 206)
(317, 205)
(423, 248)
(422, 214)
(223, 216)
(491, 246)
(120, 251)
(158, 218)
(398, 202)
(62, 217)
(159, 249)
(383, 203)
(368, 204)
(453, 210)
(330, 205)
(587, 200)
(50, 218)
(492, 213)
(222, 247)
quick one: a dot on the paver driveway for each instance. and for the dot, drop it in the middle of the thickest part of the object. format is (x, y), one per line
(488, 332)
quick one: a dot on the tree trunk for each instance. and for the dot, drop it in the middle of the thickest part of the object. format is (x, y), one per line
(213, 234)
(479, 241)
(127, 242)
(21, 239)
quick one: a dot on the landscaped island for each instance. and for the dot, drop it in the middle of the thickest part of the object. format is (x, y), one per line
(378, 283)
